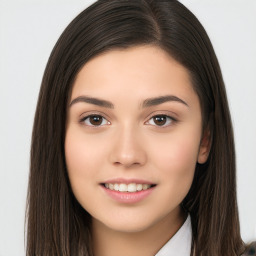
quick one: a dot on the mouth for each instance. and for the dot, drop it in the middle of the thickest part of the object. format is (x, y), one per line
(131, 187)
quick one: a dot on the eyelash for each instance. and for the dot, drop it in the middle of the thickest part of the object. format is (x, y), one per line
(172, 120)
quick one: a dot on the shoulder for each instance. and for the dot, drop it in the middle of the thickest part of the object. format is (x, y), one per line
(250, 250)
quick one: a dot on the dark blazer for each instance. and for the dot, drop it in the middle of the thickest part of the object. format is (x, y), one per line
(251, 250)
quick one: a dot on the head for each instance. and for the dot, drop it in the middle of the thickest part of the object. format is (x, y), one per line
(167, 34)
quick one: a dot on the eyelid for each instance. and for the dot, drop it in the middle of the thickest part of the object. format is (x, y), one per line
(164, 113)
(91, 113)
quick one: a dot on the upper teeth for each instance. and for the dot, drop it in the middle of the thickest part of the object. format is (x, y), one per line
(132, 187)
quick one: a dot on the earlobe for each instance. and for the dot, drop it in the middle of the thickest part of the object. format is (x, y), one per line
(205, 147)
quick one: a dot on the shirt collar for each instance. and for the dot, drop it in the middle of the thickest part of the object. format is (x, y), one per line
(180, 243)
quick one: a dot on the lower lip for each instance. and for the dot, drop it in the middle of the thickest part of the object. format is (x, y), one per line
(128, 197)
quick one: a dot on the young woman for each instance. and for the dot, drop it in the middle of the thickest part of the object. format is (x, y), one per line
(132, 148)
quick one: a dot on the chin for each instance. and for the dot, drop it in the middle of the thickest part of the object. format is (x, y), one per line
(129, 223)
(128, 226)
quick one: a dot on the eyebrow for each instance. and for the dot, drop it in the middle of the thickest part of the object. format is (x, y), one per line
(145, 104)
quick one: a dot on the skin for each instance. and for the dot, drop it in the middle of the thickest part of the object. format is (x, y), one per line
(130, 143)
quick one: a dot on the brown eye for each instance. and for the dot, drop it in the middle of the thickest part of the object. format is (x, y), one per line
(161, 120)
(94, 120)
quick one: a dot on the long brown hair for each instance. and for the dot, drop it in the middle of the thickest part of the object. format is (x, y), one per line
(56, 223)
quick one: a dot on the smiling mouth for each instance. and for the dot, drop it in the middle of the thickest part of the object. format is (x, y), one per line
(131, 187)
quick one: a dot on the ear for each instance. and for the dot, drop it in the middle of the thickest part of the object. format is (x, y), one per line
(205, 146)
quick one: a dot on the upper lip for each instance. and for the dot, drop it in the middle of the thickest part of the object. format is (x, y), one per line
(128, 181)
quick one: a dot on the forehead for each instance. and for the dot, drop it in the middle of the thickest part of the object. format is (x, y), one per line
(142, 71)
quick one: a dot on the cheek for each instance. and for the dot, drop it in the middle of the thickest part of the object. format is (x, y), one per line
(177, 160)
(76, 154)
(83, 162)
(81, 154)
(183, 155)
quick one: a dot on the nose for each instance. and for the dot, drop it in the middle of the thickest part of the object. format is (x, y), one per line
(128, 149)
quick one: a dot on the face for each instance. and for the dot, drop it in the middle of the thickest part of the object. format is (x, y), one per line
(133, 137)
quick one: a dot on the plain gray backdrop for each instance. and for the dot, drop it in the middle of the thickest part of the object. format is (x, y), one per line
(28, 32)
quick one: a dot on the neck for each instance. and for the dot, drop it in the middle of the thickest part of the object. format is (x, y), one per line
(109, 242)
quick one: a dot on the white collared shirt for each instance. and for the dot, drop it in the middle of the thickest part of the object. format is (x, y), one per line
(180, 243)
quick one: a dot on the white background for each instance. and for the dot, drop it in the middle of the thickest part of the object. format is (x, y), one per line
(28, 32)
